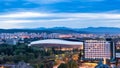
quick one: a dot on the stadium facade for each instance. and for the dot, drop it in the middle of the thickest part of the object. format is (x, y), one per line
(58, 44)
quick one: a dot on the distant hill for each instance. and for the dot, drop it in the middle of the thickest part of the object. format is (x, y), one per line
(64, 30)
(101, 30)
(22, 30)
(95, 30)
(40, 30)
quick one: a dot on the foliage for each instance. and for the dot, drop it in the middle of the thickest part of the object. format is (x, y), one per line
(70, 64)
(63, 65)
(20, 52)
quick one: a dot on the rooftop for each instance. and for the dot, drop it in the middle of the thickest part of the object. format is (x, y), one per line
(56, 41)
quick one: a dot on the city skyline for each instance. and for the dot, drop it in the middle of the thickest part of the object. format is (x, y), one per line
(59, 13)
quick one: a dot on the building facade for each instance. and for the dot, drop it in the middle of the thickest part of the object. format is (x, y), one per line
(97, 49)
(117, 50)
(58, 44)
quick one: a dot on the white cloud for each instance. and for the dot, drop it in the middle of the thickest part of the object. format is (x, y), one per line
(23, 15)
(38, 19)
(61, 15)
(97, 0)
(6, 25)
(90, 0)
(15, 21)
(113, 11)
(7, 0)
(46, 1)
(58, 1)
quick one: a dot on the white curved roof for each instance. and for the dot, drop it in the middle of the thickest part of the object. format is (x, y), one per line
(56, 41)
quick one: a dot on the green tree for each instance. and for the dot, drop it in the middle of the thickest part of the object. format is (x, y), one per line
(72, 64)
(63, 65)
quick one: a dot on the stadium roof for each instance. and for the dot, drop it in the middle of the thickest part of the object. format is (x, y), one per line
(56, 41)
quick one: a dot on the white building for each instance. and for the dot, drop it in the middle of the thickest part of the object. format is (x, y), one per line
(97, 49)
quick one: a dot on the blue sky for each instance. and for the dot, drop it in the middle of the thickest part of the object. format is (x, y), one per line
(59, 13)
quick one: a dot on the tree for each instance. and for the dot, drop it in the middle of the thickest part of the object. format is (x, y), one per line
(72, 64)
(63, 65)
(75, 57)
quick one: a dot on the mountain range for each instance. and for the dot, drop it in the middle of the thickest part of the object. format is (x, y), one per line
(94, 30)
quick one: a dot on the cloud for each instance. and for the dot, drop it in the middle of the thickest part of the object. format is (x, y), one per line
(91, 0)
(61, 15)
(8, 26)
(23, 15)
(113, 11)
(74, 20)
(15, 21)
(75, 6)
(59, 1)
(46, 1)
(7, 0)
(39, 15)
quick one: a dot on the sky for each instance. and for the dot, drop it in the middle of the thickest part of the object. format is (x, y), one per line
(59, 13)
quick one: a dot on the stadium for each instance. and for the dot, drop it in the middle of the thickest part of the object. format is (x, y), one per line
(58, 44)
